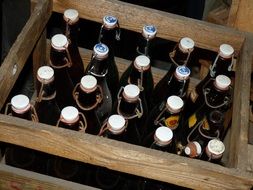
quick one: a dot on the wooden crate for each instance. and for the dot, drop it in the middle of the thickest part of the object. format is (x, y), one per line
(118, 155)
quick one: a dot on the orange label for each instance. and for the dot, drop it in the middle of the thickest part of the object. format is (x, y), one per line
(192, 121)
(205, 124)
(193, 95)
(172, 121)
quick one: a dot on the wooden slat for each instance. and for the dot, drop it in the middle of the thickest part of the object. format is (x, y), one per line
(171, 27)
(22, 47)
(240, 122)
(18, 179)
(250, 158)
(122, 156)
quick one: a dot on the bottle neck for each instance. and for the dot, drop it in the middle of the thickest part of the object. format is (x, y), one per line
(179, 57)
(72, 31)
(177, 87)
(221, 66)
(143, 47)
(87, 100)
(127, 108)
(46, 92)
(108, 37)
(72, 126)
(58, 58)
(98, 67)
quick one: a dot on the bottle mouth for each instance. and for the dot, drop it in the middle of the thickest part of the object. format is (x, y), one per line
(71, 16)
(163, 136)
(174, 104)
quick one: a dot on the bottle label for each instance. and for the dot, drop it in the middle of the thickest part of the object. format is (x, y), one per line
(205, 124)
(192, 121)
(172, 121)
(193, 95)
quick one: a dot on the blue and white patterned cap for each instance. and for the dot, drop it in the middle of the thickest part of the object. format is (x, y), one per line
(149, 31)
(110, 21)
(183, 72)
(101, 49)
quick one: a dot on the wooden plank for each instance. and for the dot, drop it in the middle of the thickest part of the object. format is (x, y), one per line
(22, 47)
(240, 122)
(122, 156)
(18, 179)
(250, 158)
(170, 26)
(233, 12)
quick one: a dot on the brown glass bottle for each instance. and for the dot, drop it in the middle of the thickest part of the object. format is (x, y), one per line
(45, 105)
(71, 18)
(60, 61)
(129, 105)
(88, 97)
(18, 156)
(179, 57)
(217, 95)
(64, 168)
(161, 140)
(222, 65)
(109, 33)
(98, 67)
(166, 114)
(114, 128)
(214, 151)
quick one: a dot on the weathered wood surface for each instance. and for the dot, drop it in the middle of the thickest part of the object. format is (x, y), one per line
(17, 179)
(250, 158)
(122, 156)
(21, 49)
(170, 26)
(241, 14)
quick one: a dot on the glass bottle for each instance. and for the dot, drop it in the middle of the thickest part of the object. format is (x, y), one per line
(161, 140)
(19, 156)
(98, 67)
(208, 128)
(64, 168)
(71, 18)
(45, 105)
(144, 42)
(166, 114)
(88, 97)
(222, 65)
(60, 61)
(179, 57)
(214, 151)
(139, 73)
(129, 105)
(114, 128)
(109, 33)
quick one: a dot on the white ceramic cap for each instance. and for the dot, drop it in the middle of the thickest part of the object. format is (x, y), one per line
(142, 62)
(222, 82)
(131, 91)
(182, 72)
(226, 50)
(110, 21)
(116, 123)
(175, 104)
(101, 50)
(45, 73)
(59, 42)
(193, 149)
(70, 114)
(164, 135)
(71, 14)
(88, 83)
(186, 43)
(20, 103)
(149, 31)
(216, 147)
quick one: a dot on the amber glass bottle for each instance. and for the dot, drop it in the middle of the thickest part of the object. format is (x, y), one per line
(64, 168)
(18, 156)
(217, 96)
(161, 140)
(166, 114)
(214, 151)
(71, 18)
(129, 105)
(98, 67)
(109, 33)
(60, 61)
(114, 128)
(144, 42)
(222, 65)
(88, 97)
(45, 105)
(179, 57)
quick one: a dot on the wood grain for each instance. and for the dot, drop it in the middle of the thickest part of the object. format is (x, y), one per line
(171, 27)
(22, 48)
(121, 156)
(17, 179)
